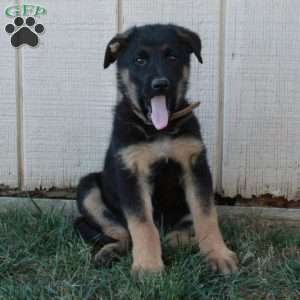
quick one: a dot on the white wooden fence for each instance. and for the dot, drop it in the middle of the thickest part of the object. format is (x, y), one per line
(56, 99)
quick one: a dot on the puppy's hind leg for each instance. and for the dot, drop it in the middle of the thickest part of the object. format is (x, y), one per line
(183, 234)
(98, 224)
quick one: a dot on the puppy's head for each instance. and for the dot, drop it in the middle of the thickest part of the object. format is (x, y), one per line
(153, 64)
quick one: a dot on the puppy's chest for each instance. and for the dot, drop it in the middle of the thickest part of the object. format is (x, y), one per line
(140, 158)
(168, 194)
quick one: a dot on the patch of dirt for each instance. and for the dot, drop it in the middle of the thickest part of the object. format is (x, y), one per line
(52, 193)
(266, 200)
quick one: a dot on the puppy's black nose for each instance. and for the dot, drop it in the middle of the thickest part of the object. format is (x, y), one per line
(160, 84)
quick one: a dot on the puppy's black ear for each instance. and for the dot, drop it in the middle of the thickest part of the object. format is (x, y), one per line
(192, 40)
(117, 44)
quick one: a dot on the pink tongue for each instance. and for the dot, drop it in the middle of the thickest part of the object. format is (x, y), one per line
(159, 115)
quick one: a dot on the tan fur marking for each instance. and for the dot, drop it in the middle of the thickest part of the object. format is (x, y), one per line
(146, 196)
(140, 157)
(182, 81)
(206, 224)
(95, 207)
(185, 149)
(146, 246)
(185, 73)
(114, 47)
(130, 87)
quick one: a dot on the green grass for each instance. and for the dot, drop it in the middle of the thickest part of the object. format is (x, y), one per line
(40, 258)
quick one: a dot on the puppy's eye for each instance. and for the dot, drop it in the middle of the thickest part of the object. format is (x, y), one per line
(141, 61)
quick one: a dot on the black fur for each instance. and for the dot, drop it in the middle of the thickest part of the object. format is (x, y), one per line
(146, 53)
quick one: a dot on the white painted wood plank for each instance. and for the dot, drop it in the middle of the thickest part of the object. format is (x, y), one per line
(68, 97)
(203, 17)
(262, 98)
(8, 128)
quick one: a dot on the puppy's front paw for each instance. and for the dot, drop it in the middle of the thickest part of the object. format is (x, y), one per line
(141, 269)
(222, 260)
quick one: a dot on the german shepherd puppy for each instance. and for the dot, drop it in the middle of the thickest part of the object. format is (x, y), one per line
(155, 171)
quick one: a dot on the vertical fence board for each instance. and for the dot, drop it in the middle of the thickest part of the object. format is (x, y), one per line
(8, 126)
(68, 97)
(262, 98)
(203, 17)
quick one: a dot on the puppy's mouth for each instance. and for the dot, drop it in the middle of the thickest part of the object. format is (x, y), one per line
(158, 112)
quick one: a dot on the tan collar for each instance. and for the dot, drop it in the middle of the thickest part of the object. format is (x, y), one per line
(177, 115)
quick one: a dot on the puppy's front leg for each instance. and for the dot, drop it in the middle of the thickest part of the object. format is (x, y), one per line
(199, 195)
(137, 205)
(146, 249)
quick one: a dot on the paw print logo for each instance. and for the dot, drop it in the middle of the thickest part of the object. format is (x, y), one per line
(24, 34)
